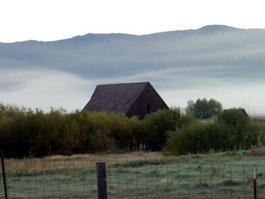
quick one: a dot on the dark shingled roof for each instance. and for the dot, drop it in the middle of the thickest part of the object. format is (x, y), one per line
(116, 98)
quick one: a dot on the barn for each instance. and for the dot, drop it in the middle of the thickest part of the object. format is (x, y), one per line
(132, 99)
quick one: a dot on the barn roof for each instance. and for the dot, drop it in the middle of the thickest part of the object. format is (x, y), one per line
(115, 97)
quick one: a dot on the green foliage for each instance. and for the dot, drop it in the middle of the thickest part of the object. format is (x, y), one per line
(239, 122)
(203, 108)
(255, 135)
(26, 132)
(158, 124)
(232, 130)
(199, 137)
(248, 133)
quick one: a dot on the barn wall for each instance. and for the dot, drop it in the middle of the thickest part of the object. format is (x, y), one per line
(149, 101)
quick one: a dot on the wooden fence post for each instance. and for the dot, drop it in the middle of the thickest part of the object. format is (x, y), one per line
(102, 180)
(254, 182)
(3, 173)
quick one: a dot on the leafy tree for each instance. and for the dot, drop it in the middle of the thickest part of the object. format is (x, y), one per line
(203, 108)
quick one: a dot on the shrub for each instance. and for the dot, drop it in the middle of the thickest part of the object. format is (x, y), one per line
(246, 131)
(158, 124)
(255, 135)
(26, 132)
(199, 138)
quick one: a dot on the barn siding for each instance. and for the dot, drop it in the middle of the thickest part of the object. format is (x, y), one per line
(148, 99)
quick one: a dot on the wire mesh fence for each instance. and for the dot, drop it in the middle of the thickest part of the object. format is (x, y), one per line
(138, 179)
(173, 179)
(50, 179)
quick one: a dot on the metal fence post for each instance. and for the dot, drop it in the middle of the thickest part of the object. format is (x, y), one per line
(3, 172)
(102, 180)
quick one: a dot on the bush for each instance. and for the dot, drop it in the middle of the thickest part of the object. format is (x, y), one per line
(158, 124)
(255, 135)
(26, 132)
(248, 133)
(200, 138)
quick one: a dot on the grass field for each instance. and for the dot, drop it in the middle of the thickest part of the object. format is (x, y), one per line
(137, 175)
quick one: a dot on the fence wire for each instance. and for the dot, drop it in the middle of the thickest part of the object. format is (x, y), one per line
(173, 179)
(50, 179)
(166, 178)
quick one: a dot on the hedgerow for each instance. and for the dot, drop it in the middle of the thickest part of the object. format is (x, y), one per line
(25, 132)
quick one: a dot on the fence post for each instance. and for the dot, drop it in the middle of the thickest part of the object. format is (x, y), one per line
(254, 182)
(3, 173)
(102, 180)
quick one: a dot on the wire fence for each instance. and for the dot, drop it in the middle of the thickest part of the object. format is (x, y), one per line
(138, 179)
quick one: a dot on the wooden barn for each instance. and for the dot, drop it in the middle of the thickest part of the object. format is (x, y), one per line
(132, 99)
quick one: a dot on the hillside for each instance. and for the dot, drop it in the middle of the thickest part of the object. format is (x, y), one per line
(218, 58)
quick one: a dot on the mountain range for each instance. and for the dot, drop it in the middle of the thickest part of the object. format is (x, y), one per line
(215, 61)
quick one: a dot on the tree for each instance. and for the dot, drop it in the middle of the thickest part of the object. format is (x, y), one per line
(203, 108)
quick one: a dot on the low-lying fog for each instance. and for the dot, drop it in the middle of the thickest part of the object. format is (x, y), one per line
(218, 62)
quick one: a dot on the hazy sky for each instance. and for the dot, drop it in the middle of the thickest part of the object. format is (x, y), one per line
(44, 82)
(57, 19)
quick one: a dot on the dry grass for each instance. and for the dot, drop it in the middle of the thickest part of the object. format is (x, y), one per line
(109, 158)
(258, 151)
(76, 161)
(56, 162)
(260, 120)
(187, 176)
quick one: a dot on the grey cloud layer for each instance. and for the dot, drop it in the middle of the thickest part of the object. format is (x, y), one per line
(208, 57)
